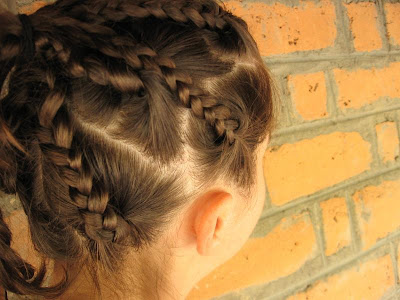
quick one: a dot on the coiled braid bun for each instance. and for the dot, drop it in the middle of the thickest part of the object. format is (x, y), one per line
(123, 111)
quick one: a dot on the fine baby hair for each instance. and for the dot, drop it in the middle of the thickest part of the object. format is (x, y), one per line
(113, 115)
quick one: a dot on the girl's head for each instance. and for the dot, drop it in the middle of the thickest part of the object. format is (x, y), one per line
(133, 134)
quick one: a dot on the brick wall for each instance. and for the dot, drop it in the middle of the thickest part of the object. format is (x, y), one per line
(331, 224)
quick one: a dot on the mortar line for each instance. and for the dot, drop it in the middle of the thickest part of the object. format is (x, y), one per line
(344, 25)
(330, 57)
(396, 295)
(397, 121)
(333, 121)
(330, 270)
(330, 190)
(382, 24)
(375, 147)
(316, 219)
(268, 201)
(354, 229)
(331, 93)
(394, 258)
(390, 296)
(286, 96)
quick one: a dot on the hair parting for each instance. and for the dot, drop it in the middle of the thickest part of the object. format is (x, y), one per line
(113, 114)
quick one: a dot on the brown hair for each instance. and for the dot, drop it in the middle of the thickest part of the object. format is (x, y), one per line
(125, 111)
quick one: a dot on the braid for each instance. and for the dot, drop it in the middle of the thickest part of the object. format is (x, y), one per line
(202, 106)
(107, 69)
(200, 14)
(100, 220)
(101, 125)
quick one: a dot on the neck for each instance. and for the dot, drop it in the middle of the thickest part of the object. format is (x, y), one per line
(127, 286)
(180, 269)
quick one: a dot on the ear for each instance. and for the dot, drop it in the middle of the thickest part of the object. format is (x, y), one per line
(211, 218)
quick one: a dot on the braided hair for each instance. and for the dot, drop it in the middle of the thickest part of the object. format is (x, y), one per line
(114, 117)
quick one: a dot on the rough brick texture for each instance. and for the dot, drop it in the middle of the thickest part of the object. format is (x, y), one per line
(309, 95)
(388, 141)
(336, 225)
(305, 167)
(372, 280)
(378, 211)
(279, 28)
(363, 24)
(393, 22)
(339, 63)
(331, 224)
(359, 87)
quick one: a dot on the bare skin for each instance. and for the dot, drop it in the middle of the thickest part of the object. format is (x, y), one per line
(209, 231)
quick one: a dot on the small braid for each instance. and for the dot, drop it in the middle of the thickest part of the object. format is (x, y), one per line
(203, 106)
(100, 220)
(105, 70)
(179, 11)
(108, 151)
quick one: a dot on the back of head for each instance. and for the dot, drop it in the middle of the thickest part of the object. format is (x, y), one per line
(116, 117)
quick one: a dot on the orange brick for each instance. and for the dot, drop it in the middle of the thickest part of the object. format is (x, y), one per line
(309, 94)
(310, 165)
(360, 87)
(30, 9)
(388, 141)
(369, 281)
(278, 28)
(393, 22)
(378, 211)
(336, 224)
(280, 253)
(363, 24)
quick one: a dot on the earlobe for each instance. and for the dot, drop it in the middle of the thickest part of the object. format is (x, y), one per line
(211, 219)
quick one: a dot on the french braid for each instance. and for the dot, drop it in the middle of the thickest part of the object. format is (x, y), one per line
(201, 14)
(101, 221)
(138, 57)
(105, 54)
